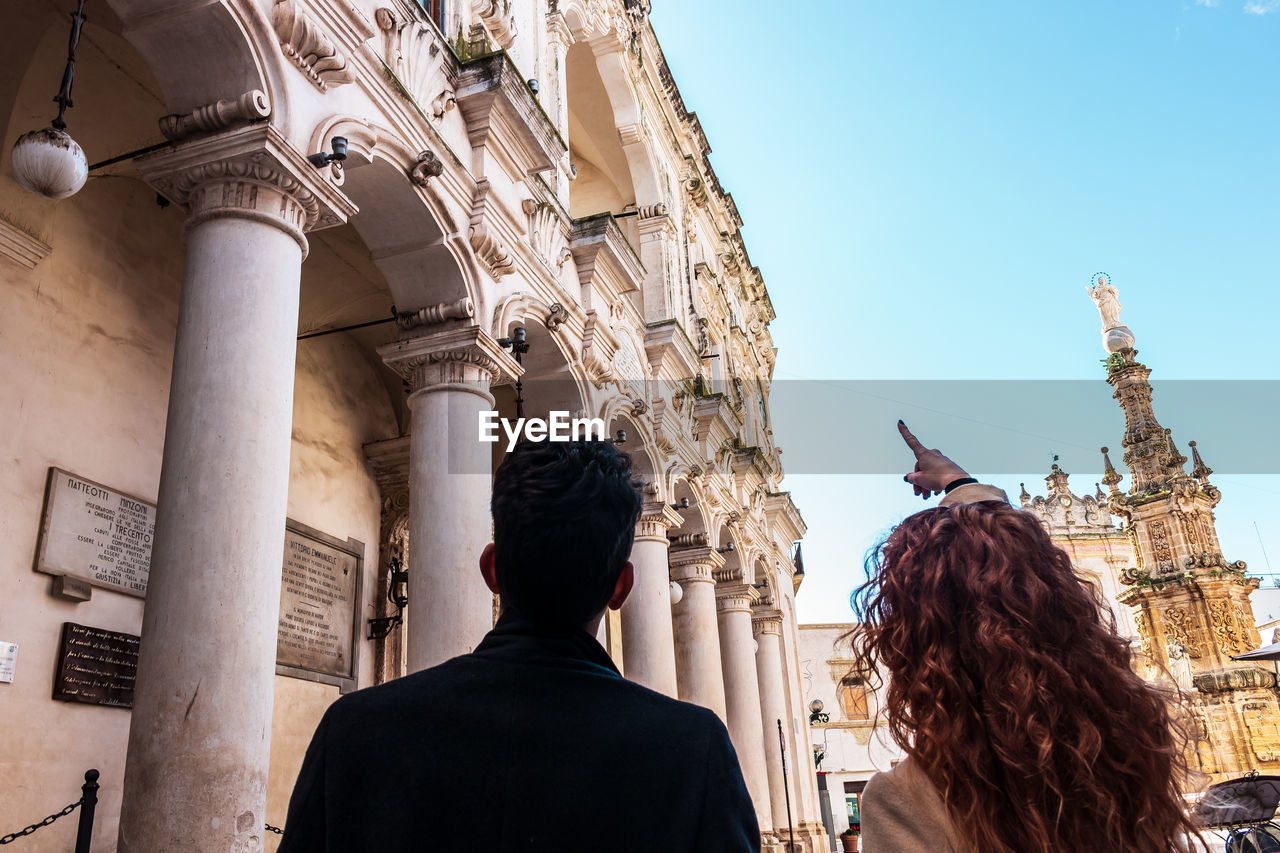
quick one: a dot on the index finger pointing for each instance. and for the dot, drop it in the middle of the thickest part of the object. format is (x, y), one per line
(912, 442)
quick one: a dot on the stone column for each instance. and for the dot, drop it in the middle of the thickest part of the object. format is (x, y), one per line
(199, 742)
(742, 693)
(697, 635)
(773, 707)
(450, 482)
(648, 640)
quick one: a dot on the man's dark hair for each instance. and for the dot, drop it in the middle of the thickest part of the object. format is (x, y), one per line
(564, 517)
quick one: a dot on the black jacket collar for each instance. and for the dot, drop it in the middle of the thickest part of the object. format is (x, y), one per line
(520, 640)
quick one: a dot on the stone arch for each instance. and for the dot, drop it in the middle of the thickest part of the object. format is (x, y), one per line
(729, 535)
(618, 414)
(697, 517)
(201, 52)
(553, 379)
(408, 228)
(598, 79)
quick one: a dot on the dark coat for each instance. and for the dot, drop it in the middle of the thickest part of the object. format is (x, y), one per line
(533, 742)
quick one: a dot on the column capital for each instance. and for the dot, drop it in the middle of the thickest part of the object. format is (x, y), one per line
(736, 597)
(694, 564)
(251, 172)
(656, 518)
(465, 358)
(766, 620)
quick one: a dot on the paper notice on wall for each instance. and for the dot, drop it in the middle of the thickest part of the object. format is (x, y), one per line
(8, 661)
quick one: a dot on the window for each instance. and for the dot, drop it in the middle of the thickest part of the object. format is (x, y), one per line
(853, 699)
(435, 9)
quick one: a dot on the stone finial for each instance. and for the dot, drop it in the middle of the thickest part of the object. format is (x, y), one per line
(1174, 460)
(1200, 470)
(1109, 474)
(1024, 495)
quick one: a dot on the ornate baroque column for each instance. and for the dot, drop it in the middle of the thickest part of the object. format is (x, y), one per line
(450, 482)
(697, 635)
(196, 773)
(648, 639)
(767, 624)
(742, 693)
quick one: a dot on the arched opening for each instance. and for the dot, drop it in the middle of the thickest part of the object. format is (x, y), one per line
(604, 183)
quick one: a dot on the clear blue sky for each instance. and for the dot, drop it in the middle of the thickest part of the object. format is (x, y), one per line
(928, 187)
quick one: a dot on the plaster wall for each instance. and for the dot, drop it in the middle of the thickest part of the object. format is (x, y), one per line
(86, 341)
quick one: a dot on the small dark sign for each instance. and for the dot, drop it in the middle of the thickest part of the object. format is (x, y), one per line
(96, 666)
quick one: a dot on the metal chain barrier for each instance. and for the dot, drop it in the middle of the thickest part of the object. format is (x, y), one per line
(277, 830)
(14, 836)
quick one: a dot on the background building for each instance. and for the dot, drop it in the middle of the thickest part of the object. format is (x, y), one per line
(218, 339)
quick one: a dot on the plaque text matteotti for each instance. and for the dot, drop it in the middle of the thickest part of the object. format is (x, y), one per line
(96, 534)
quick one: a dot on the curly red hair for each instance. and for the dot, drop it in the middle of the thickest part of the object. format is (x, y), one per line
(1011, 689)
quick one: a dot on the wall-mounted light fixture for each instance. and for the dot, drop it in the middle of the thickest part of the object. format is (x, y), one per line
(398, 594)
(726, 549)
(337, 155)
(518, 343)
(677, 593)
(619, 438)
(815, 713)
(48, 161)
(682, 504)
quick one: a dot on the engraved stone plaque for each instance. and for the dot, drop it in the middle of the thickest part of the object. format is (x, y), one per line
(96, 666)
(96, 534)
(317, 637)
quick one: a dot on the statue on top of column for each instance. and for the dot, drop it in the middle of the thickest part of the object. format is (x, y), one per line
(1115, 335)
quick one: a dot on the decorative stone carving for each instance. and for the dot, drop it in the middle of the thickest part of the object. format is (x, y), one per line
(428, 166)
(220, 115)
(22, 248)
(494, 254)
(547, 232)
(455, 356)
(1180, 628)
(556, 316)
(309, 45)
(1225, 631)
(1143, 622)
(250, 172)
(412, 52)
(1160, 546)
(599, 346)
(499, 19)
(435, 314)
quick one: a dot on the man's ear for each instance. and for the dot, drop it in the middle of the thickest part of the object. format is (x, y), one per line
(488, 568)
(622, 588)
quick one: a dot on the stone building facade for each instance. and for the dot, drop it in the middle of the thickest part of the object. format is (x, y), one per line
(237, 336)
(1099, 549)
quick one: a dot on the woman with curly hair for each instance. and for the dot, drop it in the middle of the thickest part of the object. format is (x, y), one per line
(1026, 729)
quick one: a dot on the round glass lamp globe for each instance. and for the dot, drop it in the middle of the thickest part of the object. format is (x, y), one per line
(48, 162)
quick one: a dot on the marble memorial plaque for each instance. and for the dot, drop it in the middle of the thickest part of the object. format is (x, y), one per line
(96, 534)
(319, 603)
(96, 666)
